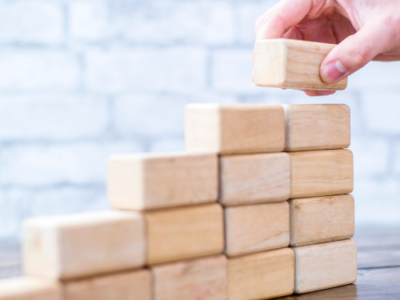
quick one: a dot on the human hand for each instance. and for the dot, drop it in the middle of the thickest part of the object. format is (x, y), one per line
(364, 30)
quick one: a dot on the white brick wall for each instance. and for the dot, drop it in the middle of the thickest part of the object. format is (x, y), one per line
(83, 79)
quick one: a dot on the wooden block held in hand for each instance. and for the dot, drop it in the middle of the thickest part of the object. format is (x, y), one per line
(254, 178)
(321, 219)
(149, 181)
(203, 278)
(325, 266)
(127, 285)
(232, 129)
(317, 126)
(255, 228)
(262, 275)
(321, 173)
(292, 64)
(183, 233)
(31, 288)
(83, 244)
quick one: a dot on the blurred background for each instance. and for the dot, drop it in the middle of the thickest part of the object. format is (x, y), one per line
(83, 79)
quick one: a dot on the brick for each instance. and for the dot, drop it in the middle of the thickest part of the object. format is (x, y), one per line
(128, 285)
(264, 275)
(255, 178)
(46, 165)
(321, 219)
(203, 278)
(150, 181)
(38, 70)
(122, 70)
(255, 228)
(80, 245)
(22, 288)
(325, 266)
(184, 233)
(31, 22)
(26, 117)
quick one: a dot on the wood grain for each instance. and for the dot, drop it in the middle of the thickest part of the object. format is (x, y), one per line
(255, 228)
(326, 265)
(321, 173)
(317, 126)
(292, 64)
(150, 181)
(204, 278)
(321, 219)
(22, 288)
(85, 244)
(262, 275)
(183, 233)
(233, 129)
(128, 285)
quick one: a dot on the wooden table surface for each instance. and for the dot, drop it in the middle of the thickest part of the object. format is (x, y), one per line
(378, 267)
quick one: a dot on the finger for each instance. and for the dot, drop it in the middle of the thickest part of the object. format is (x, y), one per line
(319, 93)
(280, 18)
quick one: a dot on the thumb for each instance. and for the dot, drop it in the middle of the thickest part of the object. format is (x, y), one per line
(355, 52)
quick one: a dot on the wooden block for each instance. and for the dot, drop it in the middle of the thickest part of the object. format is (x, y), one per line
(321, 219)
(149, 181)
(325, 266)
(232, 129)
(204, 278)
(255, 178)
(128, 285)
(292, 64)
(184, 233)
(317, 126)
(321, 173)
(262, 275)
(83, 244)
(31, 288)
(255, 228)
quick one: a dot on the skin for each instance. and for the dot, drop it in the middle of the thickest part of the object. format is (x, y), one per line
(364, 30)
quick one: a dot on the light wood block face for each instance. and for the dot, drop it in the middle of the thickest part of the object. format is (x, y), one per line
(232, 129)
(321, 173)
(263, 275)
(83, 244)
(254, 178)
(149, 181)
(325, 266)
(204, 278)
(317, 126)
(23, 288)
(292, 64)
(129, 285)
(255, 228)
(321, 219)
(184, 233)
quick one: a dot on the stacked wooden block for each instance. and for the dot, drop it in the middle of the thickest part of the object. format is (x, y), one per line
(214, 222)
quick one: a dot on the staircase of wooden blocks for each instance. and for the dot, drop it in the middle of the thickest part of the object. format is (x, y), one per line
(257, 207)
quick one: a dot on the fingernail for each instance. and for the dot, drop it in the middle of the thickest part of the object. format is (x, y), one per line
(333, 72)
(324, 93)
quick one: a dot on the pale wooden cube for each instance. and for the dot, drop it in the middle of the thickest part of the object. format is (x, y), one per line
(262, 275)
(232, 129)
(255, 228)
(317, 126)
(22, 288)
(83, 244)
(128, 285)
(321, 219)
(184, 233)
(203, 278)
(321, 173)
(149, 181)
(325, 266)
(254, 178)
(292, 64)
